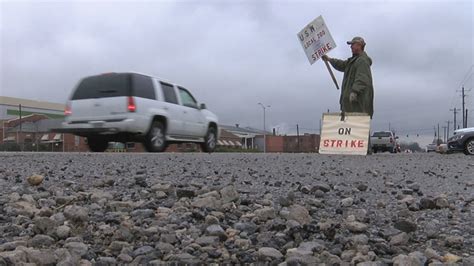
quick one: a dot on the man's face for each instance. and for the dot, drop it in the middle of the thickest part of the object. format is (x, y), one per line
(356, 48)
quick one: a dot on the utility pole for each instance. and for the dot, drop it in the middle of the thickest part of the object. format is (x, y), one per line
(437, 141)
(19, 137)
(463, 97)
(466, 117)
(298, 136)
(463, 108)
(447, 134)
(455, 111)
(389, 127)
(444, 134)
(264, 128)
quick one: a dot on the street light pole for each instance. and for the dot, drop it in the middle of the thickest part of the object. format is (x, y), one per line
(264, 127)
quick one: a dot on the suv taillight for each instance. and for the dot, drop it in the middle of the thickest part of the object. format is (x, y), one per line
(67, 110)
(391, 140)
(131, 104)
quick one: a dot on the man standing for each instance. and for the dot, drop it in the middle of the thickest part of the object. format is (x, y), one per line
(357, 95)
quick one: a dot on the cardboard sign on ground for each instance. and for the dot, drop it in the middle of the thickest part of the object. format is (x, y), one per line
(350, 136)
(316, 39)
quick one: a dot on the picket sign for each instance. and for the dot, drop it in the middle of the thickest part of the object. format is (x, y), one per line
(347, 136)
(317, 41)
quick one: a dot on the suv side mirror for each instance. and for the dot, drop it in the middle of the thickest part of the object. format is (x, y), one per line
(396, 137)
(202, 106)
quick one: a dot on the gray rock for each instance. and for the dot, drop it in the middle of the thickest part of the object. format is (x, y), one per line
(105, 261)
(265, 213)
(43, 225)
(183, 258)
(356, 227)
(400, 239)
(372, 263)
(39, 257)
(14, 257)
(163, 187)
(454, 241)
(9, 246)
(143, 250)
(441, 202)
(125, 258)
(76, 248)
(427, 203)
(207, 240)
(321, 186)
(405, 226)
(185, 193)
(299, 214)
(404, 260)
(118, 245)
(76, 213)
(306, 189)
(362, 186)
(41, 241)
(360, 239)
(420, 257)
(269, 254)
(246, 227)
(206, 202)
(469, 261)
(431, 229)
(164, 247)
(229, 194)
(143, 213)
(65, 258)
(319, 194)
(347, 202)
(63, 231)
(329, 259)
(216, 230)
(312, 246)
(432, 254)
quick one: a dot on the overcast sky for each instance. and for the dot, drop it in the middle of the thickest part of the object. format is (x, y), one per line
(234, 54)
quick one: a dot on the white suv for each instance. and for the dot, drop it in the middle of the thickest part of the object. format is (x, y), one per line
(125, 107)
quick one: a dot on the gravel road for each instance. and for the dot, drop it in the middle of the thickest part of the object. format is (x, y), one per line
(288, 209)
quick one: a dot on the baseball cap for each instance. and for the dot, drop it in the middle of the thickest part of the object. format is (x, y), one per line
(357, 39)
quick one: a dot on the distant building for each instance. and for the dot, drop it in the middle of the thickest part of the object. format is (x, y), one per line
(10, 108)
(245, 134)
(303, 143)
(33, 133)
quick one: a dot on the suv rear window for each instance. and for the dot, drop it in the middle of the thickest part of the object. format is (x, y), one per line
(109, 85)
(143, 87)
(115, 85)
(382, 134)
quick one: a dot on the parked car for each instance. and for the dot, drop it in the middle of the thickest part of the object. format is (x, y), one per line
(462, 141)
(384, 141)
(431, 147)
(132, 107)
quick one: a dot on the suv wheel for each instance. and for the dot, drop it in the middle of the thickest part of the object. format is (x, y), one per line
(210, 141)
(97, 144)
(155, 140)
(469, 147)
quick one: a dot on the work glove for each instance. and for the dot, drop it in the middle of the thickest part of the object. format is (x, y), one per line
(353, 97)
(325, 57)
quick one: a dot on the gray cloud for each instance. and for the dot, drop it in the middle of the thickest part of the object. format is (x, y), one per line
(233, 55)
